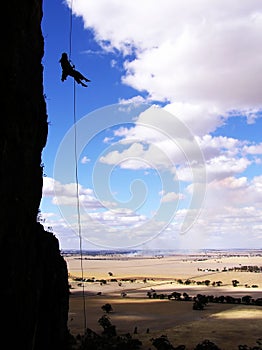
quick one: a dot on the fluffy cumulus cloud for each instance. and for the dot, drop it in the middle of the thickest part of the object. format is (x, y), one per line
(253, 149)
(207, 53)
(158, 139)
(172, 197)
(66, 194)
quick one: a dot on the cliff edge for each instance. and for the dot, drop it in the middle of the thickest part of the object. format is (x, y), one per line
(34, 291)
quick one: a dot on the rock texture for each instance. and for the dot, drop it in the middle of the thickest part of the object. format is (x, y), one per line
(34, 290)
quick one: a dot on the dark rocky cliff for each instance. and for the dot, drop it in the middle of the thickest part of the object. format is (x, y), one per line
(34, 290)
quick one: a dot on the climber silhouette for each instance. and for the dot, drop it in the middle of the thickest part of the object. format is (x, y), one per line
(69, 69)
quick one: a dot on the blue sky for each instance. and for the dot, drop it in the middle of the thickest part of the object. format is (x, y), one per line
(167, 144)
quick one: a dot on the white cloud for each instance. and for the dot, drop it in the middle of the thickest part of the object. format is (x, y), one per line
(120, 217)
(253, 149)
(206, 53)
(108, 140)
(223, 166)
(136, 100)
(172, 197)
(200, 119)
(85, 160)
(234, 192)
(48, 186)
(158, 140)
(139, 156)
(66, 194)
(171, 147)
(218, 145)
(51, 187)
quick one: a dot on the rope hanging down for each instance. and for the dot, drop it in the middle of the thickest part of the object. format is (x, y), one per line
(76, 178)
(78, 211)
(70, 30)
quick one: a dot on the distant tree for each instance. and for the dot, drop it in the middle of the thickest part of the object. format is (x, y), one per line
(207, 345)
(186, 296)
(92, 341)
(110, 273)
(246, 299)
(202, 298)
(187, 282)
(109, 329)
(207, 282)
(258, 301)
(107, 308)
(235, 283)
(162, 296)
(230, 300)
(104, 321)
(177, 295)
(221, 298)
(149, 294)
(162, 343)
(198, 305)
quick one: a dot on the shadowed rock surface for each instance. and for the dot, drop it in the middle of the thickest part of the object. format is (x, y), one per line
(34, 291)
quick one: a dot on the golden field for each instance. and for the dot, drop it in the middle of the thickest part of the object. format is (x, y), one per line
(227, 325)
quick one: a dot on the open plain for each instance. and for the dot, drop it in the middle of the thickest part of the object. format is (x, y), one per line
(126, 282)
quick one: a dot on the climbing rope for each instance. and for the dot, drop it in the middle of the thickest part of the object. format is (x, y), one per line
(70, 30)
(76, 176)
(78, 209)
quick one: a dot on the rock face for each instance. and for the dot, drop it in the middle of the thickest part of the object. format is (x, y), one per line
(34, 290)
